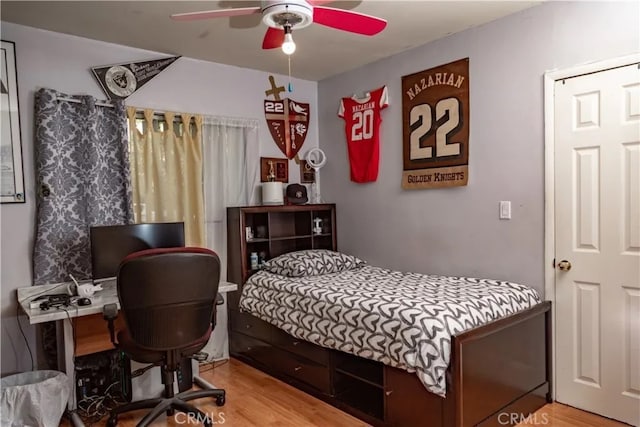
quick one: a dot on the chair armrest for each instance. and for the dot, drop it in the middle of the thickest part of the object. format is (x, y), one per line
(214, 316)
(110, 313)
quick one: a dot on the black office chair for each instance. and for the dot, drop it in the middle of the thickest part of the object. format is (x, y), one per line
(167, 297)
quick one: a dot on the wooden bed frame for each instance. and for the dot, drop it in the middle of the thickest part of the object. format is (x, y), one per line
(498, 375)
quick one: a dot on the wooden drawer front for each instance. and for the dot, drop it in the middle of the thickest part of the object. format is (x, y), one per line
(407, 401)
(250, 325)
(260, 351)
(306, 371)
(300, 347)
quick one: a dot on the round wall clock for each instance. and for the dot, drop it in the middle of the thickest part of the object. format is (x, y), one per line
(120, 81)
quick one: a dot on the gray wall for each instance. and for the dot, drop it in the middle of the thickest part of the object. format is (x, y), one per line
(456, 231)
(63, 62)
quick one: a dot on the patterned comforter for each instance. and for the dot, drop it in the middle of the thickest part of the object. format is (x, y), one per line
(405, 320)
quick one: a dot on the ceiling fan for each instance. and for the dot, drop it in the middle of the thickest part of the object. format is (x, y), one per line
(283, 16)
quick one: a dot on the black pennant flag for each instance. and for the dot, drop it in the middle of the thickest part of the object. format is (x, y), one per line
(121, 80)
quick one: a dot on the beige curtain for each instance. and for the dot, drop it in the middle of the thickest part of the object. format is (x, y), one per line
(166, 170)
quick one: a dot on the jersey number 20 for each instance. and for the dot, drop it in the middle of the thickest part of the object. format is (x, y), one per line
(362, 125)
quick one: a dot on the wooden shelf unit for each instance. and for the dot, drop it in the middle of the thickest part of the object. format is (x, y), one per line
(276, 230)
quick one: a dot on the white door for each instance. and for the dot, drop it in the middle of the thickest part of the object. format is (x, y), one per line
(597, 247)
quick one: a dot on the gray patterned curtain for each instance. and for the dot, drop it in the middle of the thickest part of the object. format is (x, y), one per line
(82, 178)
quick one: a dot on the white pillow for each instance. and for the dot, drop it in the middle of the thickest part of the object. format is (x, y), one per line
(312, 262)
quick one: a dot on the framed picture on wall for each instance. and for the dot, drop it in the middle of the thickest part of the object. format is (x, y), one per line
(11, 174)
(307, 173)
(274, 169)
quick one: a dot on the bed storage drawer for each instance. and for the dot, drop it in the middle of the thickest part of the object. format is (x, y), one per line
(249, 347)
(305, 370)
(250, 325)
(408, 403)
(300, 347)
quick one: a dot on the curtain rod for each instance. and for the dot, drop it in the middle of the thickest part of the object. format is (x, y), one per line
(79, 101)
(159, 115)
(139, 114)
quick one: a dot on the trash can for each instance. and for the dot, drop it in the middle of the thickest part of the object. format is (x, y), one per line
(35, 398)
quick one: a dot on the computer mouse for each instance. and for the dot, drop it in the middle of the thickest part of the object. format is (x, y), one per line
(84, 301)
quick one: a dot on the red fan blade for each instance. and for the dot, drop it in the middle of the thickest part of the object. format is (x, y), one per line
(348, 20)
(273, 38)
(208, 14)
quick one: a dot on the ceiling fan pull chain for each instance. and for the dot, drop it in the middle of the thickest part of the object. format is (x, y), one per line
(289, 86)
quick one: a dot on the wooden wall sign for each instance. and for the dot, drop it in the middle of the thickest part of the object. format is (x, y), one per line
(307, 173)
(435, 122)
(274, 169)
(287, 120)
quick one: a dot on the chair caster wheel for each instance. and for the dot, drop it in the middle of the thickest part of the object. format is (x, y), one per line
(112, 421)
(220, 400)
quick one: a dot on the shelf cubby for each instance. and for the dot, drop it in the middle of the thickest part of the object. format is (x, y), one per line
(360, 395)
(276, 230)
(359, 368)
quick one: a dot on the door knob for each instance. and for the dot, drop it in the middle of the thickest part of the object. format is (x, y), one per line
(564, 265)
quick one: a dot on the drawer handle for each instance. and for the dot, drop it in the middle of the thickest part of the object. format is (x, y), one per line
(249, 348)
(297, 368)
(295, 343)
(247, 326)
(388, 393)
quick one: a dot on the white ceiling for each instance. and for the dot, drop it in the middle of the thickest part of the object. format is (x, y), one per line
(322, 52)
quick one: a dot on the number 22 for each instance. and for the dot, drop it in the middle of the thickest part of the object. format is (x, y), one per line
(273, 107)
(423, 112)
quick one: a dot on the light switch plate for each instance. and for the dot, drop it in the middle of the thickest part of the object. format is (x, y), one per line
(505, 209)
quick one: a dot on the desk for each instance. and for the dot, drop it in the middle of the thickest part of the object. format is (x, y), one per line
(108, 295)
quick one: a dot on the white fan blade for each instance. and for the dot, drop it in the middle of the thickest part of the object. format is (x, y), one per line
(219, 13)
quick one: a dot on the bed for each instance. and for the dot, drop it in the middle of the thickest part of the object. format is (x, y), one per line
(405, 349)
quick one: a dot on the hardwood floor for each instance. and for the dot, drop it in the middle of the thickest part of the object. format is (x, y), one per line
(256, 399)
(559, 415)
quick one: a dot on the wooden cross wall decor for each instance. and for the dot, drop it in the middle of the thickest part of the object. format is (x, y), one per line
(288, 120)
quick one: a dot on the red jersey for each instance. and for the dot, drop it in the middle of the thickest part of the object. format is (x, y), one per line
(362, 125)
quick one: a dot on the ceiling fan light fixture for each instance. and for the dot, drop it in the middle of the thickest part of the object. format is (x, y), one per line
(288, 46)
(278, 13)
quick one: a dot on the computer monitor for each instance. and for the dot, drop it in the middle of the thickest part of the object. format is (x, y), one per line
(110, 244)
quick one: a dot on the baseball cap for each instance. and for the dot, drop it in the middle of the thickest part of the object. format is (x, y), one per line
(297, 194)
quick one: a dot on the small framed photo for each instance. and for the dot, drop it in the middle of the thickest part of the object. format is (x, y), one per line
(11, 178)
(274, 169)
(307, 173)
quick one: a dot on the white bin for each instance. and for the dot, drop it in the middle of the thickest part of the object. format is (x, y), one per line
(34, 399)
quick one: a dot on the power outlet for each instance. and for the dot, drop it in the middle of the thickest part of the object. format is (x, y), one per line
(505, 210)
